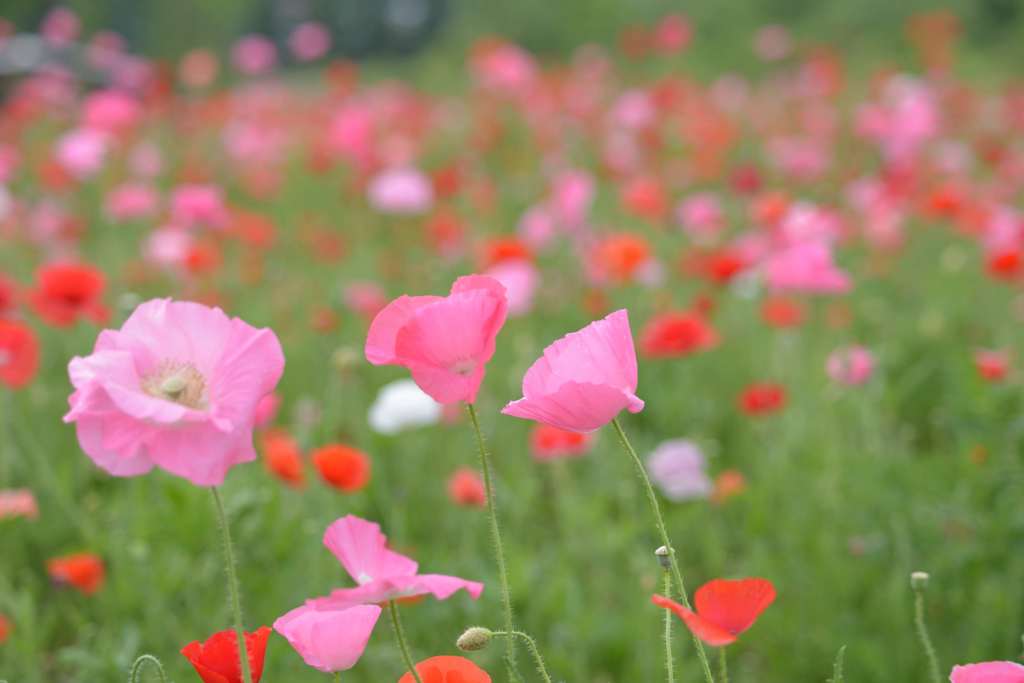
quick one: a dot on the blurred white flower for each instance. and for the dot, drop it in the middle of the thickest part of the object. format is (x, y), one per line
(401, 405)
(677, 468)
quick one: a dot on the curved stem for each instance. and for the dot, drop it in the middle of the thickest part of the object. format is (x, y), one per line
(506, 595)
(531, 645)
(670, 673)
(663, 531)
(922, 634)
(138, 664)
(396, 623)
(229, 566)
(723, 666)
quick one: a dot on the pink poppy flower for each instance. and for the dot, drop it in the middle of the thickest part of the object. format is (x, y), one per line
(18, 503)
(851, 366)
(309, 41)
(382, 574)
(111, 111)
(701, 216)
(807, 268)
(82, 152)
(677, 467)
(254, 54)
(131, 201)
(988, 672)
(445, 342)
(584, 379)
(404, 191)
(176, 387)
(193, 205)
(329, 640)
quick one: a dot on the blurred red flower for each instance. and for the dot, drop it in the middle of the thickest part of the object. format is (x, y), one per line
(19, 353)
(65, 292)
(216, 660)
(552, 443)
(781, 312)
(282, 457)
(992, 365)
(83, 571)
(343, 467)
(8, 296)
(465, 488)
(762, 398)
(728, 484)
(5, 628)
(671, 335)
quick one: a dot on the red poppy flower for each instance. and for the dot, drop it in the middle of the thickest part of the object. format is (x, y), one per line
(502, 249)
(728, 484)
(465, 488)
(762, 398)
(84, 571)
(5, 628)
(8, 296)
(343, 467)
(67, 291)
(19, 353)
(1005, 264)
(725, 608)
(645, 197)
(719, 266)
(447, 669)
(622, 255)
(671, 335)
(781, 312)
(216, 660)
(550, 443)
(282, 457)
(992, 366)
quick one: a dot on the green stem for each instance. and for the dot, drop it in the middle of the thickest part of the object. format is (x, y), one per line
(337, 677)
(229, 566)
(531, 645)
(670, 673)
(146, 659)
(506, 595)
(396, 623)
(922, 634)
(837, 667)
(723, 666)
(660, 523)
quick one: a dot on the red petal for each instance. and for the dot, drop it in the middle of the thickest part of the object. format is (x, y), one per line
(705, 630)
(734, 605)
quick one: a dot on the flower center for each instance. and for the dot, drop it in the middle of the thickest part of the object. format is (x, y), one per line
(177, 382)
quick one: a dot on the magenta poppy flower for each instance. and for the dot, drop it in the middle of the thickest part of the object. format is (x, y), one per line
(988, 672)
(176, 387)
(806, 268)
(852, 365)
(329, 640)
(584, 379)
(381, 573)
(445, 342)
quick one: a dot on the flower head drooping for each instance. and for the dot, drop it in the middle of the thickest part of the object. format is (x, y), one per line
(445, 342)
(329, 640)
(584, 379)
(176, 387)
(725, 608)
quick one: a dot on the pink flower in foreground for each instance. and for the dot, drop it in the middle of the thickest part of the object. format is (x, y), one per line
(382, 574)
(852, 365)
(584, 379)
(329, 640)
(806, 267)
(176, 387)
(988, 672)
(445, 342)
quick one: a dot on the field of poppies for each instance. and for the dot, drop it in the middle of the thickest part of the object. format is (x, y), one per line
(582, 370)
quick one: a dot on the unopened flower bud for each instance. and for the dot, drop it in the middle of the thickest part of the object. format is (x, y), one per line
(475, 638)
(919, 580)
(662, 554)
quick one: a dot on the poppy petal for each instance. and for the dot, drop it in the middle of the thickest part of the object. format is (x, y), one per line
(710, 633)
(734, 605)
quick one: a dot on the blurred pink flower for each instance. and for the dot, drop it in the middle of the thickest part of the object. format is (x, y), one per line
(309, 41)
(194, 205)
(852, 365)
(60, 26)
(365, 298)
(18, 503)
(254, 54)
(520, 279)
(677, 467)
(168, 247)
(82, 152)
(504, 68)
(381, 573)
(445, 342)
(701, 216)
(329, 640)
(111, 111)
(772, 42)
(572, 194)
(988, 672)
(176, 387)
(672, 34)
(584, 379)
(806, 268)
(401, 191)
(131, 201)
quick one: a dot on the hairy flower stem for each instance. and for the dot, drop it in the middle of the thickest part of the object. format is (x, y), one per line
(499, 549)
(670, 673)
(136, 670)
(229, 566)
(396, 623)
(723, 666)
(531, 645)
(922, 635)
(660, 523)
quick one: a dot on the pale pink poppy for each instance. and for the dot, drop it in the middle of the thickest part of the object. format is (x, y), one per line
(852, 365)
(168, 247)
(194, 205)
(365, 298)
(445, 342)
(772, 43)
(381, 573)
(988, 672)
(329, 640)
(176, 387)
(504, 68)
(131, 201)
(677, 468)
(146, 160)
(309, 41)
(520, 279)
(633, 110)
(82, 152)
(111, 111)
(701, 216)
(401, 191)
(806, 268)
(537, 227)
(18, 503)
(254, 54)
(60, 26)
(572, 194)
(350, 133)
(198, 68)
(672, 34)
(584, 379)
